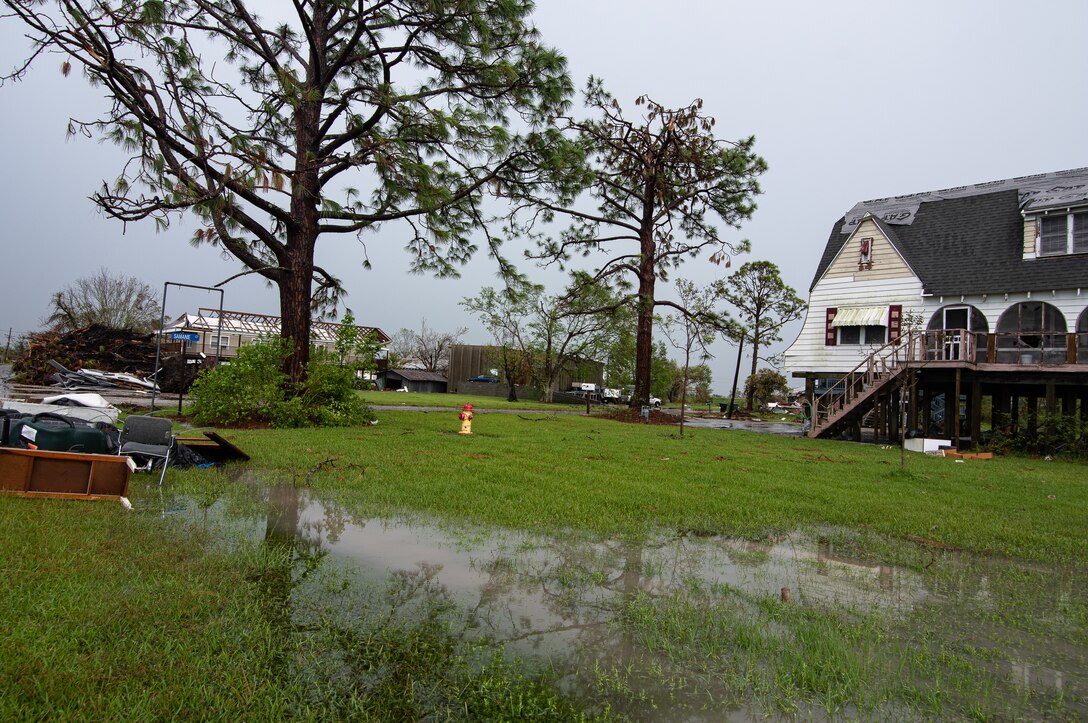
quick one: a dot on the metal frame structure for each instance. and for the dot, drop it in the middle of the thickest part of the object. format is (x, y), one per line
(162, 325)
(258, 324)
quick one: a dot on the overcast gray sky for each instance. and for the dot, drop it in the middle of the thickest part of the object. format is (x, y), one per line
(848, 101)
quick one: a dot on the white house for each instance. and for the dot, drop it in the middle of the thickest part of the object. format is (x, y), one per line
(989, 279)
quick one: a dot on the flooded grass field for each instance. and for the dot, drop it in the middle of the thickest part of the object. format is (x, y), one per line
(815, 624)
(553, 567)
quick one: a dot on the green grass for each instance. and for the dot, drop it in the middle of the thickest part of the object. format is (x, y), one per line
(554, 472)
(118, 615)
(456, 401)
(112, 616)
(115, 615)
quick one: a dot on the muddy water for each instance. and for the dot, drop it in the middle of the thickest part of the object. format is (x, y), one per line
(744, 425)
(565, 603)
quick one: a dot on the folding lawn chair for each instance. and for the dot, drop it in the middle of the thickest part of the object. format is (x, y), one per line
(149, 438)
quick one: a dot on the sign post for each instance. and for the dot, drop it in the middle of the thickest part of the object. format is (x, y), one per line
(192, 336)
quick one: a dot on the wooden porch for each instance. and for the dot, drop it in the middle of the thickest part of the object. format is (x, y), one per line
(935, 382)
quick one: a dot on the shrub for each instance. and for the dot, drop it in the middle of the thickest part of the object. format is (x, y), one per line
(328, 393)
(253, 388)
(243, 391)
(769, 386)
(1054, 434)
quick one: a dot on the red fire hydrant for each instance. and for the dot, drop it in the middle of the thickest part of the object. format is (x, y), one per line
(466, 419)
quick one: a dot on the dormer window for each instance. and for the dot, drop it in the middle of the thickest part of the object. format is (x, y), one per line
(1065, 233)
(865, 257)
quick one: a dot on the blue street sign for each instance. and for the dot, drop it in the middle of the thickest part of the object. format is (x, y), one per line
(184, 336)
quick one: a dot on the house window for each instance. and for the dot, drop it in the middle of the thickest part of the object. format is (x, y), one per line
(863, 335)
(865, 256)
(215, 342)
(1031, 325)
(1063, 234)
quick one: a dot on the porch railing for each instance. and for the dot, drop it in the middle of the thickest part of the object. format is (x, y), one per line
(1019, 348)
(960, 345)
(875, 369)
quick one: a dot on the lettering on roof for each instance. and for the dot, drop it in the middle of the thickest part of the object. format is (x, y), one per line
(1037, 193)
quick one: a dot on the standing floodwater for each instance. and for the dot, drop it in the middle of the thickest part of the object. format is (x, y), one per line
(675, 625)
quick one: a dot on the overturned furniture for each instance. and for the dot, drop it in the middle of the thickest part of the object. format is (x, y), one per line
(69, 475)
(214, 448)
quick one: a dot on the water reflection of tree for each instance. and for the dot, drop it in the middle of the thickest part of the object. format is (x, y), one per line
(293, 551)
(580, 590)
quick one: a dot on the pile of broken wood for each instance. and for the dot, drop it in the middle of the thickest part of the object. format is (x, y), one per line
(62, 358)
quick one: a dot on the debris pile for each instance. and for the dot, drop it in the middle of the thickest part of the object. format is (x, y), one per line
(94, 379)
(78, 358)
(177, 372)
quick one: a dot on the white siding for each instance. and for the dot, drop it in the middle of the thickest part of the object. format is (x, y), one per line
(886, 261)
(1068, 301)
(1031, 233)
(808, 353)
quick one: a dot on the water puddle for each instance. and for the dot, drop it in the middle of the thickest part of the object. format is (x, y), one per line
(744, 425)
(690, 626)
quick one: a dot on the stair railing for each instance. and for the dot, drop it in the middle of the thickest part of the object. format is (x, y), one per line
(879, 365)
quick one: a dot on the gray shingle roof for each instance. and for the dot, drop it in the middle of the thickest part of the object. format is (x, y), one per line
(418, 375)
(971, 245)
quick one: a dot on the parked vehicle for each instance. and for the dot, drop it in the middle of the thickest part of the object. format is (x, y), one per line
(611, 395)
(485, 379)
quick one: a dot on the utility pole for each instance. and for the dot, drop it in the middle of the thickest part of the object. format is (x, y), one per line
(7, 347)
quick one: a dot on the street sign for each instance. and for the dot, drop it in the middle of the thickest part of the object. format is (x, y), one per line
(184, 336)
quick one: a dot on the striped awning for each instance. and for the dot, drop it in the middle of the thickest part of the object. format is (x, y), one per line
(862, 316)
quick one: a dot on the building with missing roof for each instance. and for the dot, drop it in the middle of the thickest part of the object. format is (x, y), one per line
(965, 293)
(223, 336)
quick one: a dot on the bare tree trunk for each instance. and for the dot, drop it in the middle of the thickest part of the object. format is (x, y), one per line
(646, 278)
(736, 375)
(755, 363)
(296, 280)
(644, 336)
(511, 392)
(294, 286)
(684, 389)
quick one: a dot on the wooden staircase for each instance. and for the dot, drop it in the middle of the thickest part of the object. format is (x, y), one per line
(853, 395)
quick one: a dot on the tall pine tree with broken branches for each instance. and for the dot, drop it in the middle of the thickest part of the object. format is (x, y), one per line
(334, 119)
(660, 183)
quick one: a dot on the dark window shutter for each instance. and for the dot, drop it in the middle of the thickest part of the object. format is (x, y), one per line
(829, 331)
(895, 321)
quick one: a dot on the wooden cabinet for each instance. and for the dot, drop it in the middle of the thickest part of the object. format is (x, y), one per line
(63, 474)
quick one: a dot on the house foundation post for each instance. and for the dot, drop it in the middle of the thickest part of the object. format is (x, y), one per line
(974, 407)
(912, 409)
(894, 414)
(947, 427)
(927, 411)
(956, 421)
(1033, 413)
(1052, 412)
(1014, 414)
(878, 418)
